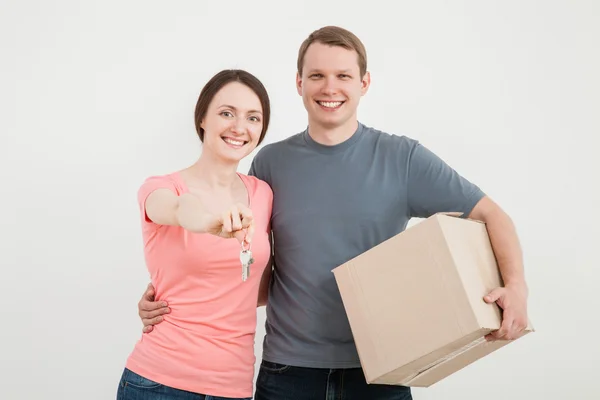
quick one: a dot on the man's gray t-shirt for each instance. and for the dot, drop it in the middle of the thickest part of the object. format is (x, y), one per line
(330, 204)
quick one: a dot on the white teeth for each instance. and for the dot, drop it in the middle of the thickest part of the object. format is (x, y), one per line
(330, 104)
(234, 142)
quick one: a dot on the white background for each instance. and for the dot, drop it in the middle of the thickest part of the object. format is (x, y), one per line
(96, 96)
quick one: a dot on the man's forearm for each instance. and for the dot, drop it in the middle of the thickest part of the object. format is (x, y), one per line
(512, 298)
(507, 248)
(504, 240)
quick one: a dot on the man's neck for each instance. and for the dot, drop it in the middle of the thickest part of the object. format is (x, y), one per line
(329, 136)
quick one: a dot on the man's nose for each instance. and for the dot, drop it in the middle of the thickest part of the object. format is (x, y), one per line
(329, 86)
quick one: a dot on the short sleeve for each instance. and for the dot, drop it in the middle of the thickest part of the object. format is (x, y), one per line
(150, 185)
(433, 186)
(252, 171)
(258, 168)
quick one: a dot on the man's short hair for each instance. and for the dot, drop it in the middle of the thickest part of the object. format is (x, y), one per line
(335, 36)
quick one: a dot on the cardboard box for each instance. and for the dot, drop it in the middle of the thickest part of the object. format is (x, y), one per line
(415, 302)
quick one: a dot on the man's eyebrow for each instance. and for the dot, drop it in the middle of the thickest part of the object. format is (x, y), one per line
(235, 109)
(343, 71)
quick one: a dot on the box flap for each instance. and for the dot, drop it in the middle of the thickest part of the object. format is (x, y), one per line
(457, 214)
(457, 361)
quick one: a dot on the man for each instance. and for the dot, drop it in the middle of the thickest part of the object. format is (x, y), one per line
(340, 188)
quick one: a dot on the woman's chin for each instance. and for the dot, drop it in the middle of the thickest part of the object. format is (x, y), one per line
(233, 157)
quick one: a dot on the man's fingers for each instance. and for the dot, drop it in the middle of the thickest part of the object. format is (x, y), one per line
(153, 321)
(149, 293)
(516, 330)
(505, 328)
(514, 313)
(494, 295)
(521, 323)
(511, 333)
(147, 329)
(151, 305)
(154, 313)
(490, 337)
(493, 336)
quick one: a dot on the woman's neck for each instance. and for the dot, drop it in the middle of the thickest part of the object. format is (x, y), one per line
(214, 172)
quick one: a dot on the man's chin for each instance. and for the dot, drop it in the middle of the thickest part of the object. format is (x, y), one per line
(331, 123)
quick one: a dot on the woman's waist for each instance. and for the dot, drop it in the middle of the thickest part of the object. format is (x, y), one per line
(199, 367)
(168, 344)
(208, 320)
(201, 331)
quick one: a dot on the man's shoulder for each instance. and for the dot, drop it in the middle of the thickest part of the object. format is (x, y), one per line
(393, 141)
(272, 156)
(279, 148)
(281, 145)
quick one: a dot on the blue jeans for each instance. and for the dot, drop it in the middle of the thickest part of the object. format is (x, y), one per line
(284, 382)
(136, 387)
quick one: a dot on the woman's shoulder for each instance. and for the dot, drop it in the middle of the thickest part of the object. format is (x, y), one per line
(167, 181)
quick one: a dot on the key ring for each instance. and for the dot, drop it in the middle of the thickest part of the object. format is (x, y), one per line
(249, 245)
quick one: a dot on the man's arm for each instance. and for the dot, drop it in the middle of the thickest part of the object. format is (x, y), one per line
(151, 312)
(433, 186)
(265, 281)
(512, 298)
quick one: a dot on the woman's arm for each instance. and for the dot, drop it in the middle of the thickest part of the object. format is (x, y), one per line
(161, 207)
(164, 207)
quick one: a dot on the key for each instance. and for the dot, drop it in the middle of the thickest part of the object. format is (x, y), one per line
(247, 260)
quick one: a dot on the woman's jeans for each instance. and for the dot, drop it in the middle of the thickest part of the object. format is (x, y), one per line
(136, 387)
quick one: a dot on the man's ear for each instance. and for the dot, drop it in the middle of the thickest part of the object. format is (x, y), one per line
(299, 83)
(365, 83)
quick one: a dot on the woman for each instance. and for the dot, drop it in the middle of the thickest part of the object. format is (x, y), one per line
(204, 349)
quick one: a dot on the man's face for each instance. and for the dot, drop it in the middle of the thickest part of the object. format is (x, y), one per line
(331, 85)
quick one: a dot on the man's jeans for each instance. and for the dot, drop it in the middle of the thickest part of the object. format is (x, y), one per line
(283, 382)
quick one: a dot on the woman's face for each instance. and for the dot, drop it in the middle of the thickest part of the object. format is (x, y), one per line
(233, 122)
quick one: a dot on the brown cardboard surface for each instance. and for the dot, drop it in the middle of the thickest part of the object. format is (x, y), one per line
(415, 302)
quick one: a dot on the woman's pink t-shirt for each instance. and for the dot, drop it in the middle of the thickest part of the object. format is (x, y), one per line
(206, 343)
